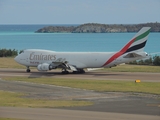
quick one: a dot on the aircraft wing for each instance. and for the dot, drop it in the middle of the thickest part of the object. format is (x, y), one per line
(61, 62)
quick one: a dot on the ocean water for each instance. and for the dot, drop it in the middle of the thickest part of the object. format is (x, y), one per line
(22, 37)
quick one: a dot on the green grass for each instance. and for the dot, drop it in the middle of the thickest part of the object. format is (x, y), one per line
(8, 62)
(97, 85)
(10, 119)
(134, 68)
(16, 100)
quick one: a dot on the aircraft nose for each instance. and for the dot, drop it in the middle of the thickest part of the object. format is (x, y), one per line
(16, 59)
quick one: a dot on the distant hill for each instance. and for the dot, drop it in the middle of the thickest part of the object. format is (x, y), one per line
(99, 28)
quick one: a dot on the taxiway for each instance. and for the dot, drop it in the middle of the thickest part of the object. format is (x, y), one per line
(98, 75)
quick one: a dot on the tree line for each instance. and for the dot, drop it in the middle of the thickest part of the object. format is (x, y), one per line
(151, 61)
(8, 52)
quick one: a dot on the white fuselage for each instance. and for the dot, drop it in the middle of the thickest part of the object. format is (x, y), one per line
(34, 57)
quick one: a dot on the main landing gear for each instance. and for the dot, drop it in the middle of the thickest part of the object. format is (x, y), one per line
(64, 71)
(79, 71)
(28, 70)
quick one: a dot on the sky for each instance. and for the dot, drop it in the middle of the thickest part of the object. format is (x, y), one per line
(79, 11)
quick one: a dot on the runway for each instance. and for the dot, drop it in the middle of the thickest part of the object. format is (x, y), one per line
(107, 105)
(59, 114)
(98, 75)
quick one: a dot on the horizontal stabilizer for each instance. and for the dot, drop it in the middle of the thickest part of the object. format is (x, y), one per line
(132, 55)
(135, 55)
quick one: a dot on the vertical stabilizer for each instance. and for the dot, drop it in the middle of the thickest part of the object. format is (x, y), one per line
(138, 42)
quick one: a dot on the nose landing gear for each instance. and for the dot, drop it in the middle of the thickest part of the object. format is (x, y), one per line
(28, 70)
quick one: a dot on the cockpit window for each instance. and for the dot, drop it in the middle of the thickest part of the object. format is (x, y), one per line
(21, 51)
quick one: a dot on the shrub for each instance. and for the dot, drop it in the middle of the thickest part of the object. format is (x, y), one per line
(8, 52)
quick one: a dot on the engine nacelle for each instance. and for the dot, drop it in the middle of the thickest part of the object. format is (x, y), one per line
(44, 67)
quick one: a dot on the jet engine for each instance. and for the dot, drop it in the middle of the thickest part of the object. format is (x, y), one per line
(44, 67)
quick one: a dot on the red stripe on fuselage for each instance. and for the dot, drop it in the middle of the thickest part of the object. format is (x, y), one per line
(116, 55)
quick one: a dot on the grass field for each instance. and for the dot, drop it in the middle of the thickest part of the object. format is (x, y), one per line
(16, 100)
(10, 119)
(8, 62)
(134, 68)
(97, 85)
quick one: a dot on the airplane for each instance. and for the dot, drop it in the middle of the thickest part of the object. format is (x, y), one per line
(46, 60)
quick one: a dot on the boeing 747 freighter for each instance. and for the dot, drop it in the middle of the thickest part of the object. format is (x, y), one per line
(76, 62)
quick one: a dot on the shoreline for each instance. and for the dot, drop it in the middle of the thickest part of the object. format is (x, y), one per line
(99, 28)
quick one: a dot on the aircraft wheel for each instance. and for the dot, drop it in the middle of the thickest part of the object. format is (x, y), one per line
(65, 72)
(75, 72)
(81, 71)
(28, 70)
